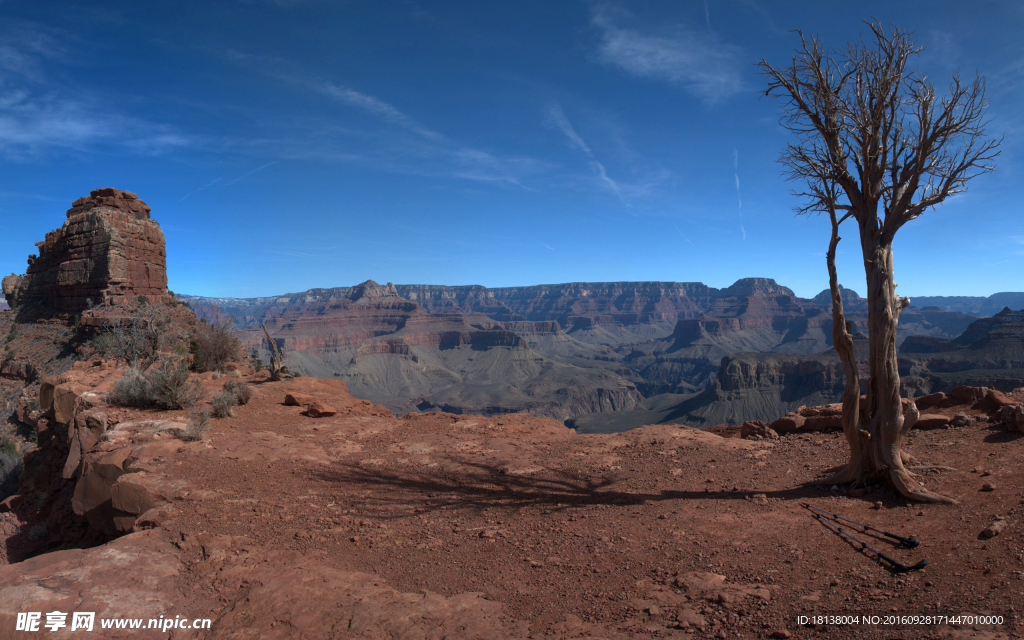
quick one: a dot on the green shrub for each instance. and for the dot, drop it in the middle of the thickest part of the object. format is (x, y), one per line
(224, 404)
(255, 361)
(241, 390)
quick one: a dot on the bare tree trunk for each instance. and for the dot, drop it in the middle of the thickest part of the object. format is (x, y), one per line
(842, 340)
(278, 371)
(883, 414)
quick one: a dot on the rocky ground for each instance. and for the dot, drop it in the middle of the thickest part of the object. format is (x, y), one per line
(365, 525)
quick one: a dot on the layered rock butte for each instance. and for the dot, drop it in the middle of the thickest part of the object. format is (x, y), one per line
(107, 249)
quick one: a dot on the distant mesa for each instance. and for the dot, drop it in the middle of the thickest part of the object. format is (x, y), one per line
(109, 248)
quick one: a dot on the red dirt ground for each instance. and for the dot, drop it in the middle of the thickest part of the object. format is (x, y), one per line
(528, 530)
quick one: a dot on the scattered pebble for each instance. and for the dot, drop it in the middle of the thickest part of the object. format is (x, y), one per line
(988, 486)
(782, 633)
(877, 505)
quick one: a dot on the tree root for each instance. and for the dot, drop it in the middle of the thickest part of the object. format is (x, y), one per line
(849, 474)
(912, 490)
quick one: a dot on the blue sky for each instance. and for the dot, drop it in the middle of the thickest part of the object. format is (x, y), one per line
(291, 144)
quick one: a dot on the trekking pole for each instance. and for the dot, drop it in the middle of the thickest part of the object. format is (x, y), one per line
(909, 543)
(896, 566)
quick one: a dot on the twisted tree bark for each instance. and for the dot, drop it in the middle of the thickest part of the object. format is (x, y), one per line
(278, 370)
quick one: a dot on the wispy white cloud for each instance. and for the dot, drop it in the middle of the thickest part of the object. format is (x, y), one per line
(556, 116)
(699, 62)
(246, 175)
(685, 238)
(736, 175)
(39, 115)
(376, 107)
(427, 152)
(547, 246)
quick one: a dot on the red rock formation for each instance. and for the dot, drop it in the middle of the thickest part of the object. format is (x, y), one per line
(108, 249)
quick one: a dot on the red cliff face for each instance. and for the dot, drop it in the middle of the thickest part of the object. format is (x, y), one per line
(108, 249)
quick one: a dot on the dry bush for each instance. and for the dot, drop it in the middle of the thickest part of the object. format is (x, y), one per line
(167, 387)
(224, 404)
(132, 390)
(215, 344)
(241, 390)
(198, 423)
(11, 466)
(134, 339)
(171, 386)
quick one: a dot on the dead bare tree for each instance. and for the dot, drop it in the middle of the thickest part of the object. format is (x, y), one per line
(873, 134)
(278, 371)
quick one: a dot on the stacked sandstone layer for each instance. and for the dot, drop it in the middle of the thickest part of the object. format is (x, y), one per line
(108, 249)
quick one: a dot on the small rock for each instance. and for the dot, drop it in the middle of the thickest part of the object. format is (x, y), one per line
(877, 505)
(985, 474)
(835, 582)
(994, 529)
(782, 633)
(988, 486)
(961, 420)
(653, 610)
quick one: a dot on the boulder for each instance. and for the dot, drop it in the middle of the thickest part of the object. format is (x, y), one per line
(967, 395)
(823, 423)
(930, 400)
(758, 428)
(300, 399)
(931, 421)
(789, 423)
(320, 410)
(67, 401)
(1013, 417)
(999, 399)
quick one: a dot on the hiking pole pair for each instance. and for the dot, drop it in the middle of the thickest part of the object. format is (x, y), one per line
(898, 567)
(909, 543)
